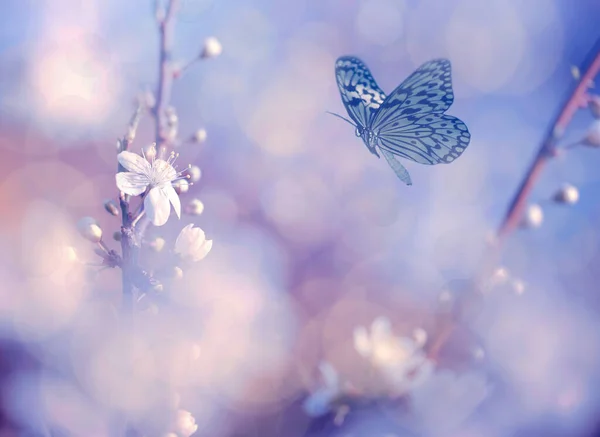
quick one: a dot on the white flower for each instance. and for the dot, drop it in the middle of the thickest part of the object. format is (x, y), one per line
(320, 401)
(153, 179)
(534, 216)
(185, 424)
(212, 48)
(568, 194)
(192, 243)
(400, 359)
(89, 229)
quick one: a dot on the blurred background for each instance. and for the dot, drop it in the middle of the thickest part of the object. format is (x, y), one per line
(313, 236)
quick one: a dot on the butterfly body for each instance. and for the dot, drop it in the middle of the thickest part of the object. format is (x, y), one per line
(409, 122)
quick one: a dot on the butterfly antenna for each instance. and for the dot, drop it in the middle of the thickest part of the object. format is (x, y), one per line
(343, 118)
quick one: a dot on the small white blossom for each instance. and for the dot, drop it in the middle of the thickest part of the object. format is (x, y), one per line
(568, 195)
(320, 401)
(192, 243)
(212, 48)
(153, 179)
(194, 173)
(194, 207)
(401, 359)
(89, 229)
(200, 136)
(534, 216)
(184, 424)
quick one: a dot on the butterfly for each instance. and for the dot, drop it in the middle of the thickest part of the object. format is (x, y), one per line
(408, 123)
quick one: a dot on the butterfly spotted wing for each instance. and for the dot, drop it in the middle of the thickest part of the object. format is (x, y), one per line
(361, 95)
(411, 124)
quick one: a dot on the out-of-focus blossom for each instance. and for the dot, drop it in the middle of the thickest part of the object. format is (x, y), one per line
(446, 399)
(177, 272)
(200, 136)
(194, 207)
(400, 359)
(320, 401)
(567, 194)
(212, 48)
(154, 180)
(184, 424)
(575, 72)
(89, 229)
(192, 243)
(533, 217)
(499, 276)
(111, 207)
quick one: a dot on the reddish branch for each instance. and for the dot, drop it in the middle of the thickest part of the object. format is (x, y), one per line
(548, 147)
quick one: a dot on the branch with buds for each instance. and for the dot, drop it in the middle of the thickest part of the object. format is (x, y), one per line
(150, 187)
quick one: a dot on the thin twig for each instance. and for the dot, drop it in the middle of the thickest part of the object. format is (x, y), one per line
(165, 74)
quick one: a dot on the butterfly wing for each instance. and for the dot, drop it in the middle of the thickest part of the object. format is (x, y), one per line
(361, 95)
(398, 168)
(410, 122)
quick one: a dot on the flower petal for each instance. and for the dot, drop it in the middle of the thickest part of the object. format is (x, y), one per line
(134, 163)
(131, 183)
(173, 197)
(183, 240)
(201, 252)
(157, 207)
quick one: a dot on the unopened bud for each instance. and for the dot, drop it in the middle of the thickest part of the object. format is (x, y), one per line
(177, 273)
(171, 115)
(181, 186)
(592, 137)
(568, 194)
(212, 48)
(195, 173)
(200, 136)
(594, 105)
(575, 72)
(534, 216)
(89, 229)
(117, 236)
(194, 207)
(157, 244)
(111, 207)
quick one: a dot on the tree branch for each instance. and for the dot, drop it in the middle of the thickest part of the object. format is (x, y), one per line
(165, 75)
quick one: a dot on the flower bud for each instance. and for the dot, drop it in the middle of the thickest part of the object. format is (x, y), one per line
(212, 48)
(177, 272)
(89, 229)
(117, 236)
(200, 136)
(518, 286)
(157, 244)
(568, 195)
(111, 207)
(592, 137)
(594, 105)
(184, 423)
(420, 336)
(194, 207)
(192, 243)
(575, 72)
(181, 186)
(534, 216)
(195, 173)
